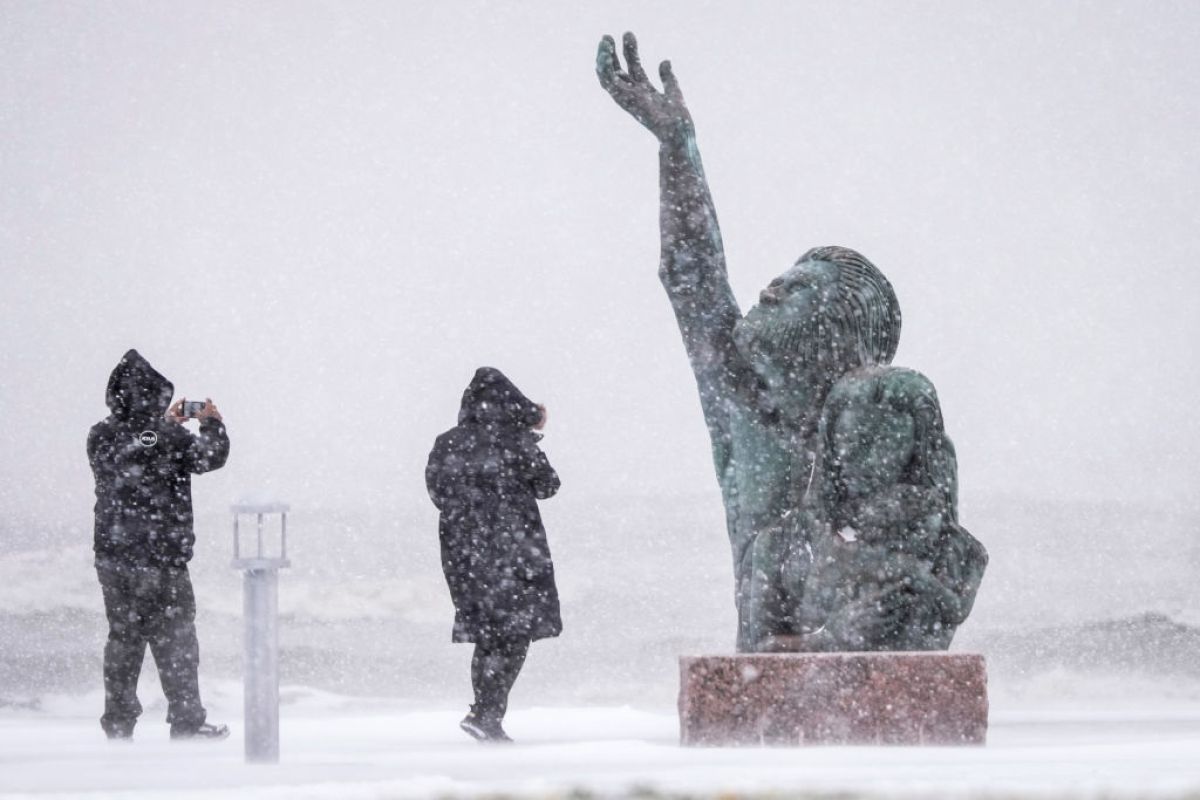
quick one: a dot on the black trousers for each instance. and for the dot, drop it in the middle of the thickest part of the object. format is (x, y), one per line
(494, 670)
(149, 605)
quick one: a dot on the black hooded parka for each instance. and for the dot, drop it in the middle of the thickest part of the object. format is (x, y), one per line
(143, 464)
(485, 476)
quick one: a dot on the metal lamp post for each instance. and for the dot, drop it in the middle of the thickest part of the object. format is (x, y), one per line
(260, 565)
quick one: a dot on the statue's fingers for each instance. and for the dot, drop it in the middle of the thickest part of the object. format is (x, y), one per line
(670, 85)
(633, 62)
(606, 63)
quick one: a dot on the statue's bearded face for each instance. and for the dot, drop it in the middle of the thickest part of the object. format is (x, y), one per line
(782, 337)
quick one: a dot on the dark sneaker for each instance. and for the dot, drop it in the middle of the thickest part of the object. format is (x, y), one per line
(204, 731)
(484, 730)
(117, 729)
(497, 735)
(473, 728)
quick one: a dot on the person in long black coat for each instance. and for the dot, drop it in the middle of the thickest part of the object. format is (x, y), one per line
(486, 475)
(143, 460)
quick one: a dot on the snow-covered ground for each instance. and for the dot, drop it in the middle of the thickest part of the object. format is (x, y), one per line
(1094, 667)
(343, 748)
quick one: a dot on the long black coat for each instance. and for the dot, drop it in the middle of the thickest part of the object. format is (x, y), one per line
(143, 465)
(486, 475)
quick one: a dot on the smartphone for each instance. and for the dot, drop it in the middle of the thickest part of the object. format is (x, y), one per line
(192, 408)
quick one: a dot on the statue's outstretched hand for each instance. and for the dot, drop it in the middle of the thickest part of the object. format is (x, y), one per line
(663, 113)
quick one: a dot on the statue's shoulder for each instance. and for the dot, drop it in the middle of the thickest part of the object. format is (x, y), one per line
(899, 388)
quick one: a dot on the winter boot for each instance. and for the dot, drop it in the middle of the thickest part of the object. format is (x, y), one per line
(205, 730)
(118, 731)
(484, 729)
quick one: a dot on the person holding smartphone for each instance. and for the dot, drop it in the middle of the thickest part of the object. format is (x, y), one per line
(143, 459)
(485, 475)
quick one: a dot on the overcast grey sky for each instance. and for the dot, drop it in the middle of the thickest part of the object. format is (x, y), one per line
(325, 216)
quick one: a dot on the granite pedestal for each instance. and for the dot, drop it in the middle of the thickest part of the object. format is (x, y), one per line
(791, 699)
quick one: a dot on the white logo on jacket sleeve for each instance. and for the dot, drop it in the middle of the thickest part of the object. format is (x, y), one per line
(147, 438)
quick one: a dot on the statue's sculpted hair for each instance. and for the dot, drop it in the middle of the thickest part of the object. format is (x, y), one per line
(864, 323)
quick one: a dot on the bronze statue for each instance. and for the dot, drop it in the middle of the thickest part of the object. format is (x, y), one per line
(839, 482)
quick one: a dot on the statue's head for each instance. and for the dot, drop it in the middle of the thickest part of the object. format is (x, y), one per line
(832, 312)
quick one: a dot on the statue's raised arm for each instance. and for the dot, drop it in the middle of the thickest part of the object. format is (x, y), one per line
(692, 262)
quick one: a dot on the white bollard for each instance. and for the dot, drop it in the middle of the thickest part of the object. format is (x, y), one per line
(260, 607)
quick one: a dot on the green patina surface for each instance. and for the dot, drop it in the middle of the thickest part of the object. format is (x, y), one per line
(838, 479)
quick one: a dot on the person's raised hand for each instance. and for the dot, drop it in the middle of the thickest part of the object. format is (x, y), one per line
(175, 412)
(209, 411)
(663, 113)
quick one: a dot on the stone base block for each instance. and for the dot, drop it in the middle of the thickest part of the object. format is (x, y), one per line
(794, 699)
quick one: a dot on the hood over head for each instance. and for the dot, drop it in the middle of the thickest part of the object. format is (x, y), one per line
(136, 391)
(493, 399)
